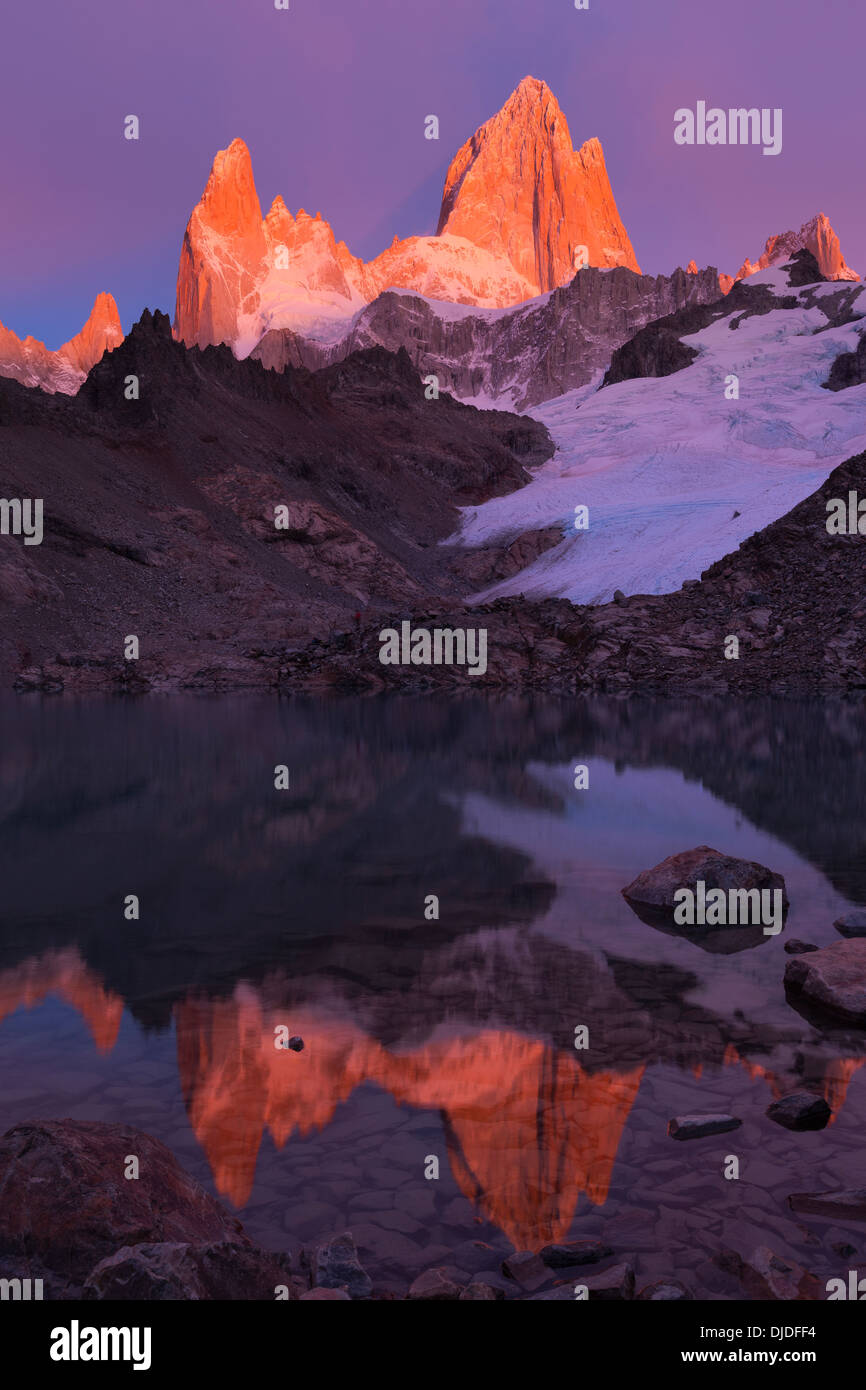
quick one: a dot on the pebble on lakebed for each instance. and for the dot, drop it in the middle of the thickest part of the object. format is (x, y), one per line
(699, 1126)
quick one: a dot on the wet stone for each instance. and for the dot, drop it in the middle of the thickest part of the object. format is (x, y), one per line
(833, 980)
(664, 1291)
(768, 1276)
(699, 1126)
(800, 1111)
(526, 1268)
(336, 1265)
(574, 1252)
(611, 1285)
(840, 1206)
(477, 1292)
(434, 1285)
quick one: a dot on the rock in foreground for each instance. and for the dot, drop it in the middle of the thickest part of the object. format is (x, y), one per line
(479, 1292)
(800, 1111)
(171, 1271)
(832, 980)
(67, 1205)
(336, 1266)
(527, 1269)
(835, 1206)
(664, 1291)
(654, 889)
(699, 1126)
(767, 1276)
(566, 1254)
(852, 924)
(434, 1285)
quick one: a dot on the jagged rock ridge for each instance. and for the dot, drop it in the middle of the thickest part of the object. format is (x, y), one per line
(163, 507)
(529, 355)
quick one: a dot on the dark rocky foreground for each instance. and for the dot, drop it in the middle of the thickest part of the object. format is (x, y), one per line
(71, 1218)
(159, 512)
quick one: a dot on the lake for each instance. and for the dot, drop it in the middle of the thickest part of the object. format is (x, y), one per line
(448, 1037)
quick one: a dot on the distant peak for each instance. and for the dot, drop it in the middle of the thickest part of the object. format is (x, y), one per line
(233, 158)
(816, 236)
(533, 87)
(531, 102)
(519, 190)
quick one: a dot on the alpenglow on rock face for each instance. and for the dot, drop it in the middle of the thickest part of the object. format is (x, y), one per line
(816, 236)
(519, 189)
(33, 364)
(521, 212)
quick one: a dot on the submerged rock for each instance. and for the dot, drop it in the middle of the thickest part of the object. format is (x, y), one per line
(336, 1265)
(434, 1285)
(564, 1293)
(699, 1126)
(852, 924)
(527, 1269)
(565, 1254)
(833, 980)
(844, 1205)
(801, 1111)
(479, 1292)
(664, 1291)
(612, 1284)
(767, 1276)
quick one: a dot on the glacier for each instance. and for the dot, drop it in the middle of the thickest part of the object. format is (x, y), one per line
(674, 474)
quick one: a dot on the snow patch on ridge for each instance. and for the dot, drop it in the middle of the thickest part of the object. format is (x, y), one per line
(664, 463)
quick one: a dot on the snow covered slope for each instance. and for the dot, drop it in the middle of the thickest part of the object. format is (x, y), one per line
(674, 474)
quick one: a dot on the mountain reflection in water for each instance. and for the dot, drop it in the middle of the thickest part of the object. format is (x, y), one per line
(452, 1037)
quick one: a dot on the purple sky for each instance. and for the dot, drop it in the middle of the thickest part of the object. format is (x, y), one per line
(331, 97)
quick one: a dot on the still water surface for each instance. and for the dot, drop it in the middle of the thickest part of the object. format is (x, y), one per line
(451, 1038)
